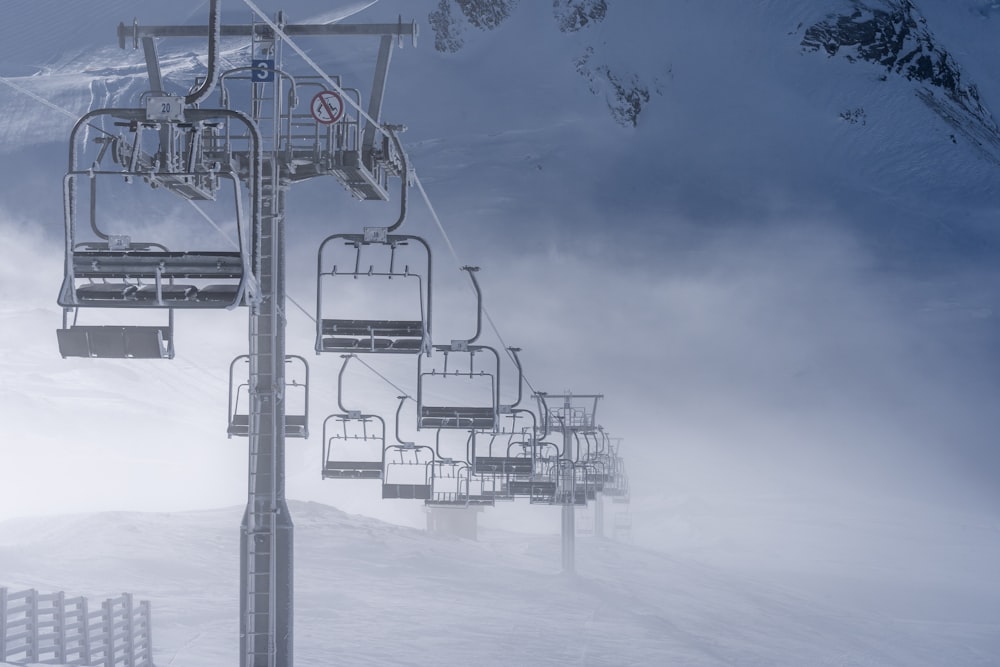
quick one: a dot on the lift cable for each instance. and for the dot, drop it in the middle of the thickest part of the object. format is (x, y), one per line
(348, 100)
(51, 105)
(402, 392)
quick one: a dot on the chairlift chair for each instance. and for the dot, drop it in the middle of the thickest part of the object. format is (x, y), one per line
(341, 332)
(353, 442)
(105, 266)
(449, 484)
(170, 148)
(411, 476)
(343, 435)
(485, 490)
(408, 472)
(513, 462)
(296, 410)
(483, 414)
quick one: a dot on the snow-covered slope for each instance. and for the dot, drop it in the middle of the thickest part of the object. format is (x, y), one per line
(372, 593)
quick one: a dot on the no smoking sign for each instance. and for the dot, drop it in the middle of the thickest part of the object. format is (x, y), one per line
(327, 107)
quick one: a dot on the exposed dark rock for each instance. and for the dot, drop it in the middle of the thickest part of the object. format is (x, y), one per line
(625, 94)
(893, 34)
(487, 14)
(447, 31)
(573, 15)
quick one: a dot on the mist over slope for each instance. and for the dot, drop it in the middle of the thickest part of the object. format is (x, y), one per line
(370, 592)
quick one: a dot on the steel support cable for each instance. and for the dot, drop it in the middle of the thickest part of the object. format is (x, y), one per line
(41, 100)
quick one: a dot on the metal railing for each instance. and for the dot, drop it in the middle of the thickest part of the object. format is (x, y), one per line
(49, 628)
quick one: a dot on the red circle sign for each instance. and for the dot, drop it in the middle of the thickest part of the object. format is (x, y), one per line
(327, 107)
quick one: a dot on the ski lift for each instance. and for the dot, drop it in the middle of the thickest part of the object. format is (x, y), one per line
(408, 467)
(296, 396)
(449, 484)
(167, 147)
(409, 476)
(541, 484)
(347, 429)
(596, 475)
(353, 442)
(106, 267)
(393, 334)
(484, 490)
(480, 411)
(514, 459)
(576, 413)
(585, 521)
(618, 489)
(570, 489)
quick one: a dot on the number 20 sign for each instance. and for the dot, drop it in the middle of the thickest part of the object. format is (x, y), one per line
(165, 107)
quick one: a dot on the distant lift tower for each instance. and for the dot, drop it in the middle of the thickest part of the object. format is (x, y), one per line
(259, 136)
(573, 415)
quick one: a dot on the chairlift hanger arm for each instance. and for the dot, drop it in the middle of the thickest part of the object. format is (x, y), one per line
(471, 270)
(214, 35)
(520, 376)
(399, 410)
(576, 454)
(340, 382)
(543, 409)
(534, 419)
(403, 177)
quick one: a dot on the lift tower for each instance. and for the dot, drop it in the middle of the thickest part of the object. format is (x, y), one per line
(328, 139)
(572, 415)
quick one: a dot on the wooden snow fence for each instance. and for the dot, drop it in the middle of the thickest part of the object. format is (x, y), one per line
(51, 629)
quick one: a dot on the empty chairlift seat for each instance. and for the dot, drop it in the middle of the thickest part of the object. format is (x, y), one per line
(390, 275)
(408, 472)
(353, 445)
(116, 342)
(474, 382)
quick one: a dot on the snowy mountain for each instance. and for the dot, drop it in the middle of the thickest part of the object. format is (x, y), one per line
(766, 231)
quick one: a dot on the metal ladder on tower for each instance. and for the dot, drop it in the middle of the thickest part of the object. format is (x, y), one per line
(266, 382)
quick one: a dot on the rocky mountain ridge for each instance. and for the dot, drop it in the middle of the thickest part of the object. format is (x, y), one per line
(895, 35)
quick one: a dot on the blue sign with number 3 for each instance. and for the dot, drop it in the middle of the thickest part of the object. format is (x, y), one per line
(263, 71)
